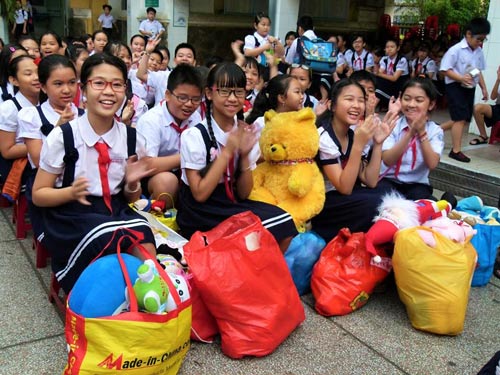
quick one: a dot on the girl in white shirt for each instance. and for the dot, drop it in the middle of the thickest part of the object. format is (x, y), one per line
(88, 173)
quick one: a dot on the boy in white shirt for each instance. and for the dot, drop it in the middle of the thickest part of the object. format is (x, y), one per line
(150, 27)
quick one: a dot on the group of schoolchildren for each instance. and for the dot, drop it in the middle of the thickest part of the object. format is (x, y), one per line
(112, 122)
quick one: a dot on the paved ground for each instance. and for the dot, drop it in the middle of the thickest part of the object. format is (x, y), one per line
(378, 339)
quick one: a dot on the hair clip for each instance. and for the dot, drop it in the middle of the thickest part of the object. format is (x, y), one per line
(267, 95)
(12, 49)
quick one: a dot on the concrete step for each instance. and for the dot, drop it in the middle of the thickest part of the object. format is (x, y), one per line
(464, 183)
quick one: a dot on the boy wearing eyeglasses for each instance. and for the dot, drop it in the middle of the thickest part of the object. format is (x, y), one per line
(162, 127)
(462, 65)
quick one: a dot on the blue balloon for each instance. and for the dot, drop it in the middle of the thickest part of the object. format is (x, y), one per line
(301, 256)
(100, 289)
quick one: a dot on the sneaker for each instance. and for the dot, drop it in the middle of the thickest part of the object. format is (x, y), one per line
(459, 156)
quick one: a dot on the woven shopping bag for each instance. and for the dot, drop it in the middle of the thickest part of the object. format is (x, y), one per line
(132, 342)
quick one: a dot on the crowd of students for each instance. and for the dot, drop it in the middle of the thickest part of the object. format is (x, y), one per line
(103, 122)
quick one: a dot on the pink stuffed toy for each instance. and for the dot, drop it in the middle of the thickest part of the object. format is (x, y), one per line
(396, 212)
(456, 230)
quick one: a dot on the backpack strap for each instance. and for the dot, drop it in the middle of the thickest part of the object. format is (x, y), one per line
(206, 140)
(5, 93)
(131, 141)
(81, 112)
(46, 127)
(308, 102)
(16, 103)
(70, 155)
(257, 44)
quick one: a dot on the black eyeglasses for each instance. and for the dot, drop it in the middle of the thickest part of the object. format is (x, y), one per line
(225, 92)
(100, 84)
(184, 99)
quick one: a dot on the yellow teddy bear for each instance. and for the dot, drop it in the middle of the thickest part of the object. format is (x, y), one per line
(289, 177)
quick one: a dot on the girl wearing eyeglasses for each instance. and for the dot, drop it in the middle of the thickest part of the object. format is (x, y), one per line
(162, 127)
(89, 171)
(217, 157)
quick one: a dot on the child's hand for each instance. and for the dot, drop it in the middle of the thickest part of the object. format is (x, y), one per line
(418, 125)
(371, 104)
(365, 131)
(137, 169)
(395, 105)
(322, 106)
(467, 79)
(233, 142)
(498, 73)
(66, 115)
(79, 190)
(248, 137)
(236, 48)
(385, 127)
(269, 58)
(128, 113)
(152, 43)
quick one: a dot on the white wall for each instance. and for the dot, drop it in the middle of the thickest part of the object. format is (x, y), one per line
(284, 15)
(491, 51)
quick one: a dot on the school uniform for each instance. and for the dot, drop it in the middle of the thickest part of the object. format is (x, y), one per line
(410, 175)
(461, 58)
(21, 16)
(354, 211)
(387, 88)
(142, 89)
(76, 233)
(425, 67)
(359, 61)
(36, 123)
(158, 81)
(293, 56)
(253, 41)
(9, 111)
(309, 101)
(154, 27)
(194, 215)
(162, 133)
(107, 23)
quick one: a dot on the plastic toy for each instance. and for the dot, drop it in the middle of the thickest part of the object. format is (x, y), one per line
(150, 289)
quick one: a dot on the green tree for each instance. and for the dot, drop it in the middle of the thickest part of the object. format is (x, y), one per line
(7, 9)
(455, 11)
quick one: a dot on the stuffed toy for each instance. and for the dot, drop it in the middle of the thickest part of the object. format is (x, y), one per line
(396, 212)
(289, 177)
(150, 289)
(456, 230)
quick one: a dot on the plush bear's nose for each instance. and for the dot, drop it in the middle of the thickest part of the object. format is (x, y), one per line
(274, 149)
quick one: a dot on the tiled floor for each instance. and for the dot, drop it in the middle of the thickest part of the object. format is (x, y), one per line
(377, 339)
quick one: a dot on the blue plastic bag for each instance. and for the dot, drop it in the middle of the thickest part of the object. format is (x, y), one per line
(486, 242)
(301, 256)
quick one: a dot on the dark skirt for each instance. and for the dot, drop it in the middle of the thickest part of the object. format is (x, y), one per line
(355, 211)
(193, 216)
(412, 191)
(75, 234)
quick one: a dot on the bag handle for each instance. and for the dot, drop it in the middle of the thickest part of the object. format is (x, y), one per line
(135, 237)
(168, 195)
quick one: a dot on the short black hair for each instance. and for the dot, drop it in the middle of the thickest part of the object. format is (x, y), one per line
(107, 6)
(306, 22)
(185, 45)
(478, 26)
(184, 75)
(151, 9)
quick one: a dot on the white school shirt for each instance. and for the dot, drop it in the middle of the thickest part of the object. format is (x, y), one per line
(292, 55)
(402, 65)
(142, 89)
(428, 66)
(9, 114)
(30, 122)
(340, 58)
(250, 42)
(420, 172)
(359, 60)
(107, 21)
(140, 108)
(154, 26)
(330, 153)
(21, 15)
(158, 80)
(459, 56)
(194, 151)
(161, 137)
(52, 154)
(312, 99)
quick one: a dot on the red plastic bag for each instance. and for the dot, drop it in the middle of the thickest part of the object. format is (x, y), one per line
(203, 327)
(345, 274)
(244, 281)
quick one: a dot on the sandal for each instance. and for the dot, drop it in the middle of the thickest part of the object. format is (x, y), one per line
(481, 140)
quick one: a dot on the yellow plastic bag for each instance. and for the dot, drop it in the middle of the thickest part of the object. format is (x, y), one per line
(433, 282)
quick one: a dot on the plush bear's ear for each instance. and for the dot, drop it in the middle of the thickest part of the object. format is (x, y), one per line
(269, 115)
(306, 114)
